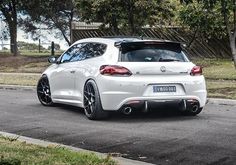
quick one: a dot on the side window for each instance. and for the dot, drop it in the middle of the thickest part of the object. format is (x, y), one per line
(78, 53)
(66, 56)
(83, 51)
(95, 49)
(99, 49)
(72, 54)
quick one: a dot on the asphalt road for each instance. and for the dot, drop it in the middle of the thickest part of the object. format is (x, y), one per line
(160, 137)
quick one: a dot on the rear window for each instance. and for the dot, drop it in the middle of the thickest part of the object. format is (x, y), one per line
(152, 52)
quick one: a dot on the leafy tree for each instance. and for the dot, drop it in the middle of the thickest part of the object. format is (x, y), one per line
(53, 14)
(212, 17)
(8, 12)
(129, 15)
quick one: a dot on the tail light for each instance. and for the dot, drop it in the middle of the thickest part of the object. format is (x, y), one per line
(114, 70)
(196, 71)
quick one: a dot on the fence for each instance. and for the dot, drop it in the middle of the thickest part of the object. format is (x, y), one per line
(211, 48)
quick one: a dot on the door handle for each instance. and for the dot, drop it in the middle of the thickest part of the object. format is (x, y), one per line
(72, 71)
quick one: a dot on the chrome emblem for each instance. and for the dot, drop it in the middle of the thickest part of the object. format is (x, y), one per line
(163, 69)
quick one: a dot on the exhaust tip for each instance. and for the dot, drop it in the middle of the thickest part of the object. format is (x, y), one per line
(195, 108)
(127, 110)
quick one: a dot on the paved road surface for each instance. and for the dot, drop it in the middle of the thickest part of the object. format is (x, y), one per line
(161, 137)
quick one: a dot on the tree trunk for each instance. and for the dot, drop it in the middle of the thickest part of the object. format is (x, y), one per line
(10, 13)
(233, 47)
(114, 24)
(13, 40)
(130, 11)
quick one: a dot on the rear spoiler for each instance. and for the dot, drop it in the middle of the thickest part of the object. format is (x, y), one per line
(176, 46)
(151, 42)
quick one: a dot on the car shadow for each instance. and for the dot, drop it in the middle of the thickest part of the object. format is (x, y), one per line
(160, 114)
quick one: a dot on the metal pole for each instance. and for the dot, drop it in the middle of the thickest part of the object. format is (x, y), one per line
(39, 45)
(52, 48)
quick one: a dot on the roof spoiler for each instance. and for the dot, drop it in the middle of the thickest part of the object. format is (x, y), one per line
(151, 42)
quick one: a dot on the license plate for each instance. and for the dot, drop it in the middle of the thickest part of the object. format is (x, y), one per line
(164, 89)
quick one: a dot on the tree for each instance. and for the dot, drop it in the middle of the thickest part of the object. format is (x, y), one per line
(129, 15)
(53, 14)
(8, 10)
(219, 18)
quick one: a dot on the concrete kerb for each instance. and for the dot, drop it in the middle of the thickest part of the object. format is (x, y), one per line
(28, 140)
(18, 87)
(221, 101)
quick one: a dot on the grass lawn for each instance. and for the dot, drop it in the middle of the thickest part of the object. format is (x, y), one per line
(221, 89)
(32, 52)
(13, 152)
(216, 69)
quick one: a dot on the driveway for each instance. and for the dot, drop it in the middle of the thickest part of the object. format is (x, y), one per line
(160, 137)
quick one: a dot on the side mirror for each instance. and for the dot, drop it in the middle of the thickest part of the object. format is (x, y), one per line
(52, 59)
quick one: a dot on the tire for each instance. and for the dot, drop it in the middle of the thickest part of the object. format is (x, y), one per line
(92, 102)
(43, 91)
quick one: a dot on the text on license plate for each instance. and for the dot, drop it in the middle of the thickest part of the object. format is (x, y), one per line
(164, 89)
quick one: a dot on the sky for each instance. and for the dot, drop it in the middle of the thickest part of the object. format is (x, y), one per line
(45, 41)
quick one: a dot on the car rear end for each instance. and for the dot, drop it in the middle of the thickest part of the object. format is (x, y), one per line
(150, 72)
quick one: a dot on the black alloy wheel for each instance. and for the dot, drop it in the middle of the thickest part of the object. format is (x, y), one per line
(43, 91)
(92, 103)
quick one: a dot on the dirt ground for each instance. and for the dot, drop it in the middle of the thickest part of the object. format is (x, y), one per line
(26, 64)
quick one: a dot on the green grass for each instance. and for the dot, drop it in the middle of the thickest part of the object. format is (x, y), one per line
(13, 152)
(221, 89)
(216, 69)
(36, 53)
(32, 53)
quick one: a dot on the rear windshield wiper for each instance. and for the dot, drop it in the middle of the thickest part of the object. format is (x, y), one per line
(167, 60)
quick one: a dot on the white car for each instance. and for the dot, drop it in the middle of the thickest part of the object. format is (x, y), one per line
(111, 74)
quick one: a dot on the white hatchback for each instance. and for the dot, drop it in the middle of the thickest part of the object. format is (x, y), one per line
(111, 74)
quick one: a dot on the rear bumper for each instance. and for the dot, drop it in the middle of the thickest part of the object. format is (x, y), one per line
(140, 101)
(116, 92)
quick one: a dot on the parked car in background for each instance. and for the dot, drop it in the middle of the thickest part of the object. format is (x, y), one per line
(126, 74)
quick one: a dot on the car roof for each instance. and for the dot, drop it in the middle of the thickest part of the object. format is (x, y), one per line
(115, 40)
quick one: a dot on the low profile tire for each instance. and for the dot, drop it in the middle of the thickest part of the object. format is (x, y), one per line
(92, 102)
(43, 91)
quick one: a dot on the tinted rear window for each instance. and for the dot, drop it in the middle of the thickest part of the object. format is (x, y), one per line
(152, 52)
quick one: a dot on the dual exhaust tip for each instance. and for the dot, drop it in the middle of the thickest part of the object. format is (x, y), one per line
(127, 110)
(186, 105)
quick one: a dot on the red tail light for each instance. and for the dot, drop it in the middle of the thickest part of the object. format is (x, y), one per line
(114, 70)
(196, 71)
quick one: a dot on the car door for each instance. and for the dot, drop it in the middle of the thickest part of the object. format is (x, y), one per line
(63, 77)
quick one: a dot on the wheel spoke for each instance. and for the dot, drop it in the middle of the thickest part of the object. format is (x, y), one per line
(40, 92)
(86, 92)
(91, 108)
